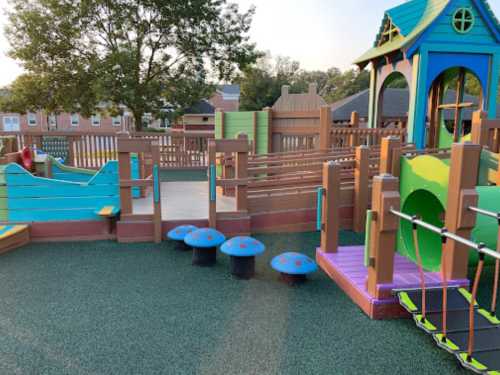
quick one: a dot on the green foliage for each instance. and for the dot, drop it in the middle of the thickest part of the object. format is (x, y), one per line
(142, 54)
(261, 84)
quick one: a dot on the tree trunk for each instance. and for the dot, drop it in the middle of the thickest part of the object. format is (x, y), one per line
(138, 121)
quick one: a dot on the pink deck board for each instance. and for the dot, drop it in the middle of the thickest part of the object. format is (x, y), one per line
(349, 261)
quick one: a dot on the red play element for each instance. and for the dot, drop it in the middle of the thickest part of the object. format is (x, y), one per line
(209, 238)
(27, 158)
(283, 260)
(243, 246)
(298, 263)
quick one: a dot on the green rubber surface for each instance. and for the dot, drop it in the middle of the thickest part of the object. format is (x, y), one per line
(108, 308)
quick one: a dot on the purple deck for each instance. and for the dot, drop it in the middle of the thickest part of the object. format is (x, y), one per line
(349, 262)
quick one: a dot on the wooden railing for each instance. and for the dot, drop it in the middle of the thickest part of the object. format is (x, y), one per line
(178, 149)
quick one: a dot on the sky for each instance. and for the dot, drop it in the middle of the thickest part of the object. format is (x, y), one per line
(318, 33)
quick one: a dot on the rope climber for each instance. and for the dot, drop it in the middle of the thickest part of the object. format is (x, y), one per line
(463, 324)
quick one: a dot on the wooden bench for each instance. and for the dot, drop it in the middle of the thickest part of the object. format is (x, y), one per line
(111, 213)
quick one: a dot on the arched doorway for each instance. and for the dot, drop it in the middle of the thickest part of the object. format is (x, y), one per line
(453, 96)
(393, 102)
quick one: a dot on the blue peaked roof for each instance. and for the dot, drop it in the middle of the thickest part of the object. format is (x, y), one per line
(413, 18)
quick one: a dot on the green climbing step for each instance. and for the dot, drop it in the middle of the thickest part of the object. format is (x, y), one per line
(486, 354)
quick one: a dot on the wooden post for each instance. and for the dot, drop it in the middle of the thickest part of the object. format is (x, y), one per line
(212, 205)
(254, 119)
(384, 226)
(241, 172)
(361, 180)
(462, 181)
(71, 151)
(331, 206)
(222, 123)
(155, 155)
(124, 169)
(269, 112)
(354, 124)
(387, 147)
(325, 127)
(480, 132)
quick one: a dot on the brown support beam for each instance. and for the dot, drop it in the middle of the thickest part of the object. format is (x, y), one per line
(222, 124)
(480, 132)
(354, 124)
(361, 181)
(384, 226)
(331, 206)
(387, 147)
(254, 120)
(241, 172)
(464, 168)
(325, 125)
(269, 112)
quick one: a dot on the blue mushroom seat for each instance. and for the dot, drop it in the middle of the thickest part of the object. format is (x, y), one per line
(292, 263)
(243, 247)
(204, 242)
(180, 232)
(204, 238)
(242, 251)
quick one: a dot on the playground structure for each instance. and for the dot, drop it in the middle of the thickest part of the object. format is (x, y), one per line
(436, 46)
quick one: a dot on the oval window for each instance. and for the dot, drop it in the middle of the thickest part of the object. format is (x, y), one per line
(463, 20)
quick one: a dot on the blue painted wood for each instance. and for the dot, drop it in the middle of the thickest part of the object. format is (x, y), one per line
(29, 180)
(134, 170)
(66, 191)
(61, 203)
(418, 125)
(486, 32)
(213, 176)
(494, 82)
(319, 207)
(53, 215)
(33, 198)
(66, 176)
(156, 183)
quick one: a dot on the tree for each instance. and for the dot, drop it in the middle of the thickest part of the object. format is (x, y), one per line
(261, 83)
(142, 54)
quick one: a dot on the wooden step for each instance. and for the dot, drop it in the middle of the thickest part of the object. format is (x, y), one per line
(13, 236)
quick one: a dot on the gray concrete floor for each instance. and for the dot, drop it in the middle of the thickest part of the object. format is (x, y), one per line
(181, 200)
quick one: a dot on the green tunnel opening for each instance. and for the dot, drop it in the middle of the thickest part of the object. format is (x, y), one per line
(427, 207)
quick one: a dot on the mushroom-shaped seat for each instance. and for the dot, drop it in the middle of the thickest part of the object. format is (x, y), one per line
(204, 242)
(179, 233)
(242, 251)
(293, 267)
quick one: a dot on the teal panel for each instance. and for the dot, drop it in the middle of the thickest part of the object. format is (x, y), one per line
(53, 215)
(443, 30)
(134, 165)
(33, 198)
(73, 203)
(67, 191)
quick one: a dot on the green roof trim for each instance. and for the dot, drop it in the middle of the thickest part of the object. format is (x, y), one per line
(411, 18)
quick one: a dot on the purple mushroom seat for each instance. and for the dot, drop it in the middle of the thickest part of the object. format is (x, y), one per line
(179, 233)
(204, 243)
(293, 267)
(242, 251)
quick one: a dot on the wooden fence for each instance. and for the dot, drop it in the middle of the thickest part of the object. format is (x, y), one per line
(178, 149)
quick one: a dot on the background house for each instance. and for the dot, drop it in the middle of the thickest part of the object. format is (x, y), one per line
(199, 117)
